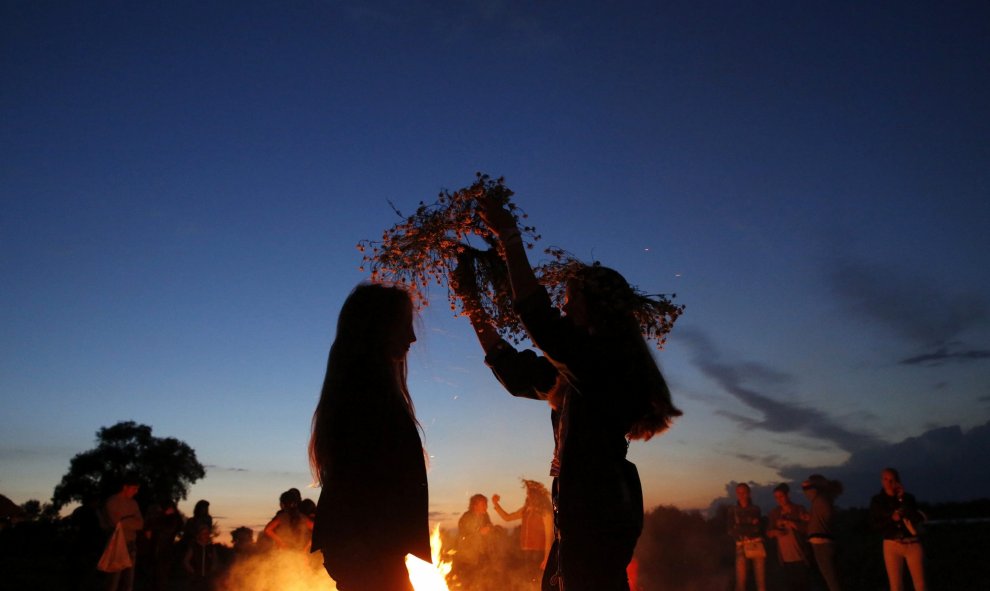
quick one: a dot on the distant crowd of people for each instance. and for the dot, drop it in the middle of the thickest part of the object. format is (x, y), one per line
(168, 552)
(805, 539)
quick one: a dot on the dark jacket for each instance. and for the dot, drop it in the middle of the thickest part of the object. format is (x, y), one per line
(599, 490)
(882, 508)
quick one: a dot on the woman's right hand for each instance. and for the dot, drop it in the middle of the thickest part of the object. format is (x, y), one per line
(496, 498)
(495, 215)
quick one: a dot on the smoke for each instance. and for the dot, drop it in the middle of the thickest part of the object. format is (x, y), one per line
(277, 571)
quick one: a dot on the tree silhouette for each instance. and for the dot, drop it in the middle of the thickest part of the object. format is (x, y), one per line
(165, 466)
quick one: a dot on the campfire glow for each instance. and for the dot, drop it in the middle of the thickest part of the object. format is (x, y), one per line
(425, 576)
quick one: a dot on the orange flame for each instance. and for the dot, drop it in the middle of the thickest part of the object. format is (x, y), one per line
(425, 576)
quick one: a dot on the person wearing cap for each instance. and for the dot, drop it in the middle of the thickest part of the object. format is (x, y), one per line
(821, 492)
(894, 513)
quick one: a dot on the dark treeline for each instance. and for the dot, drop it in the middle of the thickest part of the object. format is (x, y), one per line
(678, 551)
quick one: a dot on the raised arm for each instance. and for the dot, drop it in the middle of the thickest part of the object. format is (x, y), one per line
(505, 515)
(501, 222)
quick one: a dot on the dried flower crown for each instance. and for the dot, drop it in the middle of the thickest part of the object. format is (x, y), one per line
(427, 247)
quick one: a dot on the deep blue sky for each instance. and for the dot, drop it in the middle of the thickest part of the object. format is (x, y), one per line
(183, 185)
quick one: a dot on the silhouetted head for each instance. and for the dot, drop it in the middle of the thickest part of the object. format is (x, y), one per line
(537, 495)
(817, 485)
(743, 494)
(376, 320)
(290, 499)
(202, 508)
(130, 484)
(600, 299)
(478, 504)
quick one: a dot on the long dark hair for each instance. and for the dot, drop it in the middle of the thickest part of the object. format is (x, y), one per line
(361, 369)
(610, 302)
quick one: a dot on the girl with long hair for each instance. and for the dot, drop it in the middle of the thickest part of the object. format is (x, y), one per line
(822, 493)
(600, 378)
(365, 449)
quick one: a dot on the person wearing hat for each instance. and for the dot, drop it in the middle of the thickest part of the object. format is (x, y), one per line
(822, 493)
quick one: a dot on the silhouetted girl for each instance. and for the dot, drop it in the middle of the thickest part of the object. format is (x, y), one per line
(290, 528)
(365, 448)
(601, 378)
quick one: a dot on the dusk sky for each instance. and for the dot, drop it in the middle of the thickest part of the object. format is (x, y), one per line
(183, 185)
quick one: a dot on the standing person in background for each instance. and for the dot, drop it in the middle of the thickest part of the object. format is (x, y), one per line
(787, 524)
(745, 527)
(474, 544)
(122, 509)
(200, 518)
(365, 448)
(200, 561)
(290, 529)
(162, 529)
(894, 513)
(536, 530)
(822, 493)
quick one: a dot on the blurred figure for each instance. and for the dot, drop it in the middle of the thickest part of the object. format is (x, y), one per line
(894, 513)
(290, 529)
(474, 543)
(122, 509)
(787, 524)
(365, 448)
(746, 529)
(536, 529)
(162, 528)
(822, 493)
(200, 562)
(88, 538)
(200, 518)
(242, 541)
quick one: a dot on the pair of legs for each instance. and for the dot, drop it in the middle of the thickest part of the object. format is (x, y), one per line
(895, 554)
(123, 580)
(825, 559)
(759, 570)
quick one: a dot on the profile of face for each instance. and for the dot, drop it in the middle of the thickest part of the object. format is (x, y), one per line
(743, 495)
(781, 497)
(480, 506)
(575, 306)
(399, 341)
(891, 485)
(810, 492)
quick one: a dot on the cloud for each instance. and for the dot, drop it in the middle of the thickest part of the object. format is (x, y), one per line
(942, 355)
(913, 309)
(744, 380)
(940, 465)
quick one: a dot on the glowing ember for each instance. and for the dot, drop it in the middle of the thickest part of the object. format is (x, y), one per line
(425, 576)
